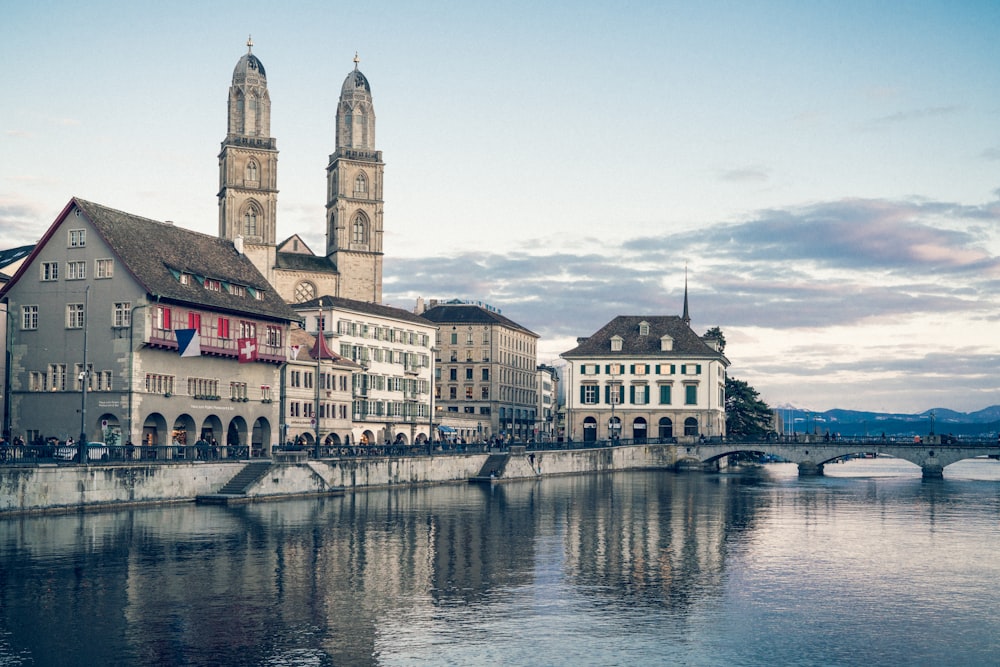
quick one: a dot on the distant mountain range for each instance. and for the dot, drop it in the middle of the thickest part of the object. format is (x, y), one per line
(856, 422)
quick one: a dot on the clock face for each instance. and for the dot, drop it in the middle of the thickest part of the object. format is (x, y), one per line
(304, 292)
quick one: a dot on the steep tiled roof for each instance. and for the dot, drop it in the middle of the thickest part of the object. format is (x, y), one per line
(364, 307)
(294, 261)
(467, 313)
(157, 252)
(686, 342)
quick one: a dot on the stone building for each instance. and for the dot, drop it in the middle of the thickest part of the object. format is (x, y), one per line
(546, 425)
(641, 377)
(351, 266)
(486, 366)
(95, 310)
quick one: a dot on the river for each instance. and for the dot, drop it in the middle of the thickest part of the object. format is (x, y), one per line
(867, 565)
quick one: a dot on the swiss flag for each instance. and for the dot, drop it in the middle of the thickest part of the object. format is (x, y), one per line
(247, 348)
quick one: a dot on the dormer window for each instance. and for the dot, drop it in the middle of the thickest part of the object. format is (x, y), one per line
(666, 343)
(616, 343)
(643, 328)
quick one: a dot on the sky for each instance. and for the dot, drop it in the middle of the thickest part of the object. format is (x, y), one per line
(825, 175)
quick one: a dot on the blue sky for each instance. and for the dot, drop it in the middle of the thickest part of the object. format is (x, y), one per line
(828, 172)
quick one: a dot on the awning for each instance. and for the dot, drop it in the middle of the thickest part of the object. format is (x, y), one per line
(446, 429)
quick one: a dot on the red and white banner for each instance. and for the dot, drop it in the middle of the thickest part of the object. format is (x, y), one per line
(247, 348)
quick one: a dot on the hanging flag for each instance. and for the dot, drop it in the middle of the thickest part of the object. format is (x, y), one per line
(247, 349)
(294, 349)
(188, 342)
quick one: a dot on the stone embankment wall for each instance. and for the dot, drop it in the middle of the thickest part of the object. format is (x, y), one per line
(47, 488)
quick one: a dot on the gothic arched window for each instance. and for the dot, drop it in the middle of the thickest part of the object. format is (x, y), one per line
(360, 184)
(250, 222)
(359, 230)
(252, 170)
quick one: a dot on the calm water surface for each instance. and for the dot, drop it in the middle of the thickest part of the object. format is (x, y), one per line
(869, 565)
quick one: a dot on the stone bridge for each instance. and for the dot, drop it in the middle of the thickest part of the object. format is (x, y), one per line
(811, 453)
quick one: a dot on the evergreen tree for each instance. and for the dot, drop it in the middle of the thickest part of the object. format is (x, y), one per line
(716, 332)
(747, 416)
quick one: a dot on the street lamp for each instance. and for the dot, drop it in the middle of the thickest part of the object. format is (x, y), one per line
(83, 381)
(430, 417)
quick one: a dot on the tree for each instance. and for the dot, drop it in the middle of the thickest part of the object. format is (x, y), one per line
(747, 416)
(716, 332)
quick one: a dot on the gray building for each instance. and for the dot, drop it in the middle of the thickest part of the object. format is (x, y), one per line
(93, 348)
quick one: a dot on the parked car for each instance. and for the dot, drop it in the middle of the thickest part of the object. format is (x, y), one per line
(96, 451)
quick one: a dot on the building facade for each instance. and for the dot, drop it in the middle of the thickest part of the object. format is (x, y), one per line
(485, 366)
(546, 425)
(641, 377)
(95, 310)
(391, 389)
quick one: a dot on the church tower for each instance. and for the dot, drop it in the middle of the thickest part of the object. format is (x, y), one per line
(248, 166)
(354, 194)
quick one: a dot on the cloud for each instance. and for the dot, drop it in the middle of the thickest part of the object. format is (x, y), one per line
(745, 175)
(912, 116)
(20, 224)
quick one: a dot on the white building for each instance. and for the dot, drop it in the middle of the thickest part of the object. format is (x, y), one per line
(392, 347)
(642, 377)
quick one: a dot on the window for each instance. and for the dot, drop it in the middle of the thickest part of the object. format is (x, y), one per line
(485, 393)
(248, 329)
(691, 395)
(29, 317)
(74, 315)
(305, 291)
(274, 336)
(644, 328)
(36, 381)
(665, 394)
(468, 393)
(252, 171)
(614, 394)
(250, 222)
(486, 375)
(159, 384)
(360, 184)
(50, 271)
(213, 285)
(237, 290)
(104, 268)
(121, 316)
(163, 318)
(588, 394)
(76, 270)
(194, 321)
(639, 394)
(452, 393)
(454, 339)
(359, 233)
(468, 373)
(237, 390)
(616, 343)
(222, 327)
(468, 339)
(77, 238)
(57, 377)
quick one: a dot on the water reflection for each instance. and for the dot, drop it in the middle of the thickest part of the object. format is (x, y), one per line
(544, 571)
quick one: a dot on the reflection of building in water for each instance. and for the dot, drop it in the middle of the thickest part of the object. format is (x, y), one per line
(347, 573)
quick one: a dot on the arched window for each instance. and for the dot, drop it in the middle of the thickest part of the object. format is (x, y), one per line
(589, 429)
(252, 171)
(304, 291)
(359, 230)
(690, 426)
(360, 184)
(250, 222)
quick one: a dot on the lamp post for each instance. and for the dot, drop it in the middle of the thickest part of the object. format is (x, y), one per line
(430, 425)
(84, 378)
(320, 343)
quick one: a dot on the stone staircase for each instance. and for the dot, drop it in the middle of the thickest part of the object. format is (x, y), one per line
(236, 488)
(492, 469)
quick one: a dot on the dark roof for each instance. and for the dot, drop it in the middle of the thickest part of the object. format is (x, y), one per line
(295, 261)
(468, 313)
(308, 348)
(360, 307)
(249, 62)
(355, 80)
(686, 341)
(157, 252)
(8, 257)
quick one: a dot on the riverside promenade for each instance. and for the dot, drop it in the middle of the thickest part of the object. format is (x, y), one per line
(27, 487)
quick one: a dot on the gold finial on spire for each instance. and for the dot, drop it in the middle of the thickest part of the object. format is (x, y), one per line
(249, 44)
(356, 60)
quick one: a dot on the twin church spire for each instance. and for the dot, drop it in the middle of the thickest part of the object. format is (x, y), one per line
(352, 265)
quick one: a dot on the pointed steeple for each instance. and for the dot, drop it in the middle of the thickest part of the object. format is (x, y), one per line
(686, 316)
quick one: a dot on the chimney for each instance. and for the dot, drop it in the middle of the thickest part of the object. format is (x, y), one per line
(238, 243)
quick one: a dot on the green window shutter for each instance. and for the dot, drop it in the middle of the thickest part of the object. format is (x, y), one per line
(631, 394)
(645, 394)
(673, 369)
(657, 369)
(607, 394)
(631, 369)
(583, 391)
(665, 394)
(697, 369)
